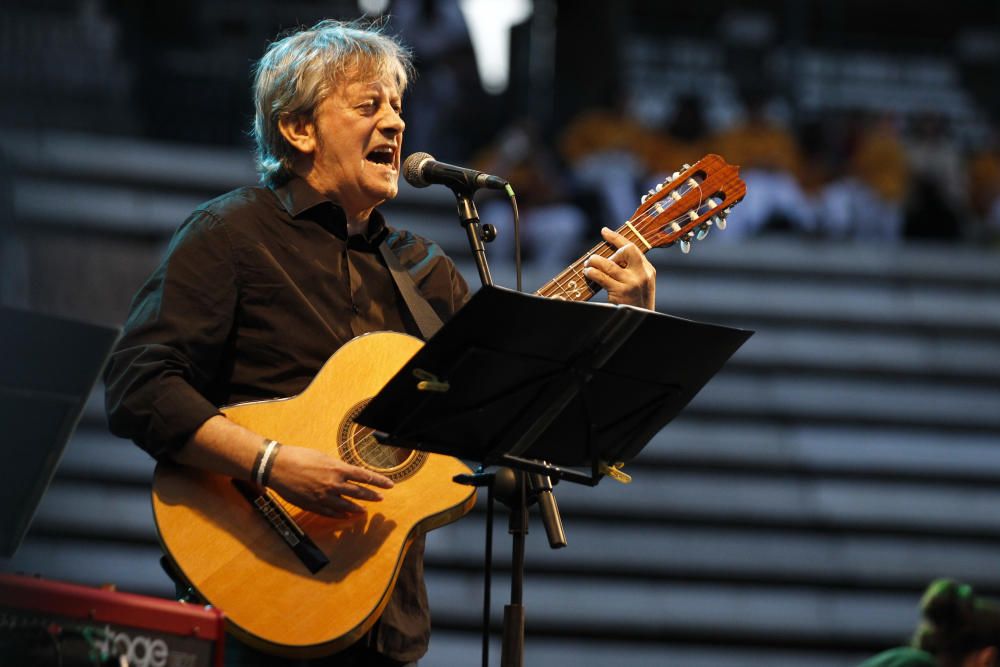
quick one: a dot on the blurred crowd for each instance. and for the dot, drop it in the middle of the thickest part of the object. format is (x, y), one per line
(854, 176)
(851, 175)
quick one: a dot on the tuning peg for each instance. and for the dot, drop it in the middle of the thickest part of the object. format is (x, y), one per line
(713, 202)
(720, 221)
(703, 231)
(685, 246)
(660, 208)
(685, 166)
(642, 200)
(659, 186)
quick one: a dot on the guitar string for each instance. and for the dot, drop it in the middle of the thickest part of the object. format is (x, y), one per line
(644, 217)
(603, 249)
(368, 444)
(372, 451)
(641, 219)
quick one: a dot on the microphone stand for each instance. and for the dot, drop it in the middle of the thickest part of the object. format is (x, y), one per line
(469, 217)
(512, 646)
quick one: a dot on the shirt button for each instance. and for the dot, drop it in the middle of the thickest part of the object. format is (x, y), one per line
(354, 307)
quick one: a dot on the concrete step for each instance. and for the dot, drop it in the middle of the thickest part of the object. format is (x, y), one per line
(636, 610)
(822, 556)
(825, 450)
(795, 398)
(812, 300)
(450, 648)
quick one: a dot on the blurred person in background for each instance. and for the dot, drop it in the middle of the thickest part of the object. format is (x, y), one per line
(552, 225)
(768, 157)
(984, 191)
(958, 629)
(866, 201)
(935, 203)
(680, 141)
(445, 111)
(602, 147)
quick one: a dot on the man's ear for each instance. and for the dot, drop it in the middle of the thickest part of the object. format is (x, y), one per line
(299, 131)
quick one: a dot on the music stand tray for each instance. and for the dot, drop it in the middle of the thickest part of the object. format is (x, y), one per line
(546, 385)
(48, 367)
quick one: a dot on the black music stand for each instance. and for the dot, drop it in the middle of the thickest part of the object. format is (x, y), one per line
(548, 386)
(513, 379)
(48, 367)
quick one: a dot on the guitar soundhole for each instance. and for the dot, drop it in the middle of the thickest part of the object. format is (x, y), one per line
(359, 447)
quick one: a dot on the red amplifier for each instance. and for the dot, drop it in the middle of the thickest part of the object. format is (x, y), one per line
(104, 625)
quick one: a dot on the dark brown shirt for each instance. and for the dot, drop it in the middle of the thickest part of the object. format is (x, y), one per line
(259, 287)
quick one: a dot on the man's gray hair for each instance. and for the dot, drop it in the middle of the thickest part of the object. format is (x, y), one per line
(300, 69)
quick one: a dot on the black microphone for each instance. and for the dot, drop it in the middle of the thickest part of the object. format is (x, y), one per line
(421, 170)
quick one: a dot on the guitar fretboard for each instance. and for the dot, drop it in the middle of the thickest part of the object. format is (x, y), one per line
(571, 285)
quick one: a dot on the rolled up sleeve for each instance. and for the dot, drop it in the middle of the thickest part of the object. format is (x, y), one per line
(161, 375)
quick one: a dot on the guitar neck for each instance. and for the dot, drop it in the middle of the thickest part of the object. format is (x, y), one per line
(571, 285)
(684, 207)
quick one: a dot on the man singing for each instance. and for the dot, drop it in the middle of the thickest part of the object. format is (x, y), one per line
(261, 285)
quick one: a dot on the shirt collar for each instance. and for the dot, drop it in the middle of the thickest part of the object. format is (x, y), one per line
(297, 197)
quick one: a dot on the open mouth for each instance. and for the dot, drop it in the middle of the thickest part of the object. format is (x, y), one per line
(382, 156)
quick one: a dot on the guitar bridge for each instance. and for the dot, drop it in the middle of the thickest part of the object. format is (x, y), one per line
(283, 524)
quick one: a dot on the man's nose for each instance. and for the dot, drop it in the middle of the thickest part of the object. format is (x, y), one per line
(392, 122)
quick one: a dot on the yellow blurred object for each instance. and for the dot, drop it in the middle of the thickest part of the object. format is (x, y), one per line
(880, 161)
(598, 131)
(757, 144)
(984, 181)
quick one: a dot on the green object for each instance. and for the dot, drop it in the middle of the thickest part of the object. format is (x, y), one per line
(903, 656)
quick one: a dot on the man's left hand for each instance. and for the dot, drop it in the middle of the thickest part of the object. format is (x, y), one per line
(627, 275)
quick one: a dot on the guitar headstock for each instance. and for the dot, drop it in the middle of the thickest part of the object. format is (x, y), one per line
(687, 204)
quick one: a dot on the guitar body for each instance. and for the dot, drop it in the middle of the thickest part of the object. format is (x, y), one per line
(237, 561)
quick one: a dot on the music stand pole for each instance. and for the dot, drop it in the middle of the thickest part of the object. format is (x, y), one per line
(512, 646)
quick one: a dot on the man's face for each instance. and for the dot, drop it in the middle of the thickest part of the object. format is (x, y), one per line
(359, 139)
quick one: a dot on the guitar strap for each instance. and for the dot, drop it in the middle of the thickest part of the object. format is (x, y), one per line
(427, 320)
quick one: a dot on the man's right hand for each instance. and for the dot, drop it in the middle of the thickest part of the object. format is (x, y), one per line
(305, 477)
(323, 484)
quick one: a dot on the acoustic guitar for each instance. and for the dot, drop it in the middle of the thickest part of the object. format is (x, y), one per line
(298, 584)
